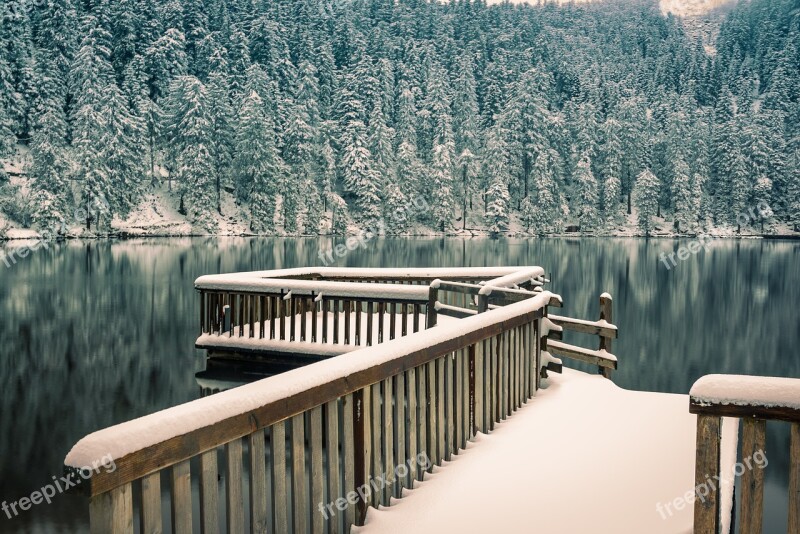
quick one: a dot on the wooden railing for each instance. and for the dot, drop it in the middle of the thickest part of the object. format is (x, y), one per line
(330, 306)
(280, 452)
(754, 400)
(602, 328)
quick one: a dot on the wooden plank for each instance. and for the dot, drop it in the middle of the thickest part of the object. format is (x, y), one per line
(440, 428)
(314, 312)
(299, 483)
(324, 303)
(794, 479)
(460, 287)
(400, 427)
(209, 493)
(593, 357)
(280, 500)
(369, 323)
(346, 304)
(422, 414)
(454, 311)
(112, 512)
(293, 318)
(459, 405)
(754, 437)
(744, 412)
(150, 509)
(315, 441)
(393, 321)
(259, 520)
(273, 314)
(282, 315)
(417, 311)
(358, 337)
(411, 420)
(336, 314)
(430, 309)
(449, 407)
(404, 320)
(181, 498)
(332, 449)
(584, 327)
(433, 423)
(706, 507)
(233, 486)
(464, 397)
(381, 314)
(388, 437)
(377, 449)
(349, 450)
(470, 354)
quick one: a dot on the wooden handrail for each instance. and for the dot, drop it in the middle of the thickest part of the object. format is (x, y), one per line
(142, 461)
(755, 400)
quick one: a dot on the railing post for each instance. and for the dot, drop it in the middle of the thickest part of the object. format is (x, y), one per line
(112, 512)
(431, 316)
(706, 468)
(605, 342)
(752, 503)
(483, 303)
(794, 479)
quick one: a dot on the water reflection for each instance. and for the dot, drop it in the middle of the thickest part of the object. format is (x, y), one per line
(95, 333)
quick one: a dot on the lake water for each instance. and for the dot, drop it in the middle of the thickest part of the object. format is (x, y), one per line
(95, 333)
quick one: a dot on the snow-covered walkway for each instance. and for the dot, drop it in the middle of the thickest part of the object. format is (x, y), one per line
(583, 456)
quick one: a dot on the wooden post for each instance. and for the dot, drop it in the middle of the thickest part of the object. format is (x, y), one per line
(112, 512)
(431, 317)
(706, 505)
(605, 342)
(752, 504)
(794, 479)
(483, 303)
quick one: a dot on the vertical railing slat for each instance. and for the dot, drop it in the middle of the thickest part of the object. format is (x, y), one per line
(754, 439)
(388, 438)
(377, 448)
(350, 458)
(411, 417)
(706, 509)
(332, 448)
(400, 426)
(209, 493)
(315, 441)
(111, 512)
(794, 479)
(259, 520)
(150, 510)
(233, 486)
(299, 483)
(181, 498)
(279, 495)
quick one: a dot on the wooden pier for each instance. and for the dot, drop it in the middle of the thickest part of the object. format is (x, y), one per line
(422, 359)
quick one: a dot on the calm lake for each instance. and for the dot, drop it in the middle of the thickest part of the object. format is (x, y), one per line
(96, 333)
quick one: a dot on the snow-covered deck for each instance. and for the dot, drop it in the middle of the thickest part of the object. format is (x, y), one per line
(583, 455)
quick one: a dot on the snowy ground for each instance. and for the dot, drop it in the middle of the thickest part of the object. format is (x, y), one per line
(582, 456)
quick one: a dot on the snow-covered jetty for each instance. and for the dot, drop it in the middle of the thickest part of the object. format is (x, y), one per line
(404, 373)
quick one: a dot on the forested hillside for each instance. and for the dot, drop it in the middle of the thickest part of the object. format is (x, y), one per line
(317, 116)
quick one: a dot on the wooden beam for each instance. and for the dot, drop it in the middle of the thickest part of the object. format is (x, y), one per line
(794, 480)
(744, 412)
(584, 327)
(593, 357)
(706, 505)
(754, 437)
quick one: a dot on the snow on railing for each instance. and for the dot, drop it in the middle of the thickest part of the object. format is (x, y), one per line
(447, 383)
(755, 400)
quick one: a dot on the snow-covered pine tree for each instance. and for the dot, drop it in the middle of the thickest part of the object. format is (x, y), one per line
(50, 170)
(684, 208)
(396, 210)
(588, 197)
(258, 168)
(359, 175)
(121, 151)
(547, 211)
(191, 136)
(224, 128)
(645, 194)
(497, 216)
